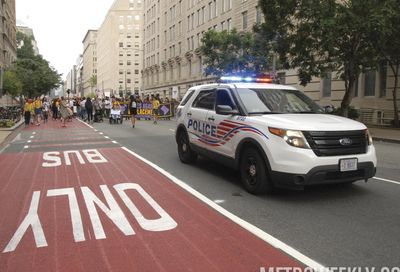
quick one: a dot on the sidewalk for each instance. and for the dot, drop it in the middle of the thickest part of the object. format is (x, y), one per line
(391, 135)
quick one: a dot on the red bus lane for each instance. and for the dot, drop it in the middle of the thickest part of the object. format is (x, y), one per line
(102, 209)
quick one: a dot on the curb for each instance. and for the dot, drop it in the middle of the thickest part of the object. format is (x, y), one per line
(13, 127)
(393, 141)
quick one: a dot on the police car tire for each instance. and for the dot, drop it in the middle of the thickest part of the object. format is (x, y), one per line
(188, 155)
(254, 173)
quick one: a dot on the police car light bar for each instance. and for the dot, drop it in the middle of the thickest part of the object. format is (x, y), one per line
(246, 79)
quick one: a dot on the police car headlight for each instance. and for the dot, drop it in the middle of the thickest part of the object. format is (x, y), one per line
(368, 136)
(292, 137)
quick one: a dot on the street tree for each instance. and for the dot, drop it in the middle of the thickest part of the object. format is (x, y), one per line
(230, 52)
(386, 39)
(33, 71)
(93, 81)
(319, 37)
(11, 84)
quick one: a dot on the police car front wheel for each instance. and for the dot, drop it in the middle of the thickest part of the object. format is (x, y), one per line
(253, 172)
(186, 154)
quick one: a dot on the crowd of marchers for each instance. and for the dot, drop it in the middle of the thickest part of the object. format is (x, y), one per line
(38, 110)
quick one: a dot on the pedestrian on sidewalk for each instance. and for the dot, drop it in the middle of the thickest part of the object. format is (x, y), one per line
(28, 110)
(64, 111)
(89, 109)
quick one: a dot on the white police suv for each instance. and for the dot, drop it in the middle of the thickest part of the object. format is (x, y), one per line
(273, 134)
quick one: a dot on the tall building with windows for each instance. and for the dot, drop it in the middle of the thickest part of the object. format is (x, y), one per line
(8, 37)
(89, 59)
(119, 49)
(172, 61)
(172, 35)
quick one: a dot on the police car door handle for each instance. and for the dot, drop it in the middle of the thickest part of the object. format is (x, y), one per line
(211, 118)
(189, 114)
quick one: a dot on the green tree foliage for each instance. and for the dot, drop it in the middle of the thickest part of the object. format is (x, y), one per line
(386, 39)
(33, 71)
(232, 52)
(317, 37)
(11, 84)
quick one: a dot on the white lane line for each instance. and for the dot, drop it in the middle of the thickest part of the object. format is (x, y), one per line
(101, 133)
(114, 142)
(33, 133)
(29, 141)
(173, 130)
(26, 146)
(251, 228)
(387, 180)
(31, 137)
(96, 130)
(219, 201)
(106, 137)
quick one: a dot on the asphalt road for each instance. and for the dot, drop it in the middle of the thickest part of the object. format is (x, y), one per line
(352, 225)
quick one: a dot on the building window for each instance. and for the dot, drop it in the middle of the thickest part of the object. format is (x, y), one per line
(327, 85)
(258, 14)
(369, 83)
(229, 24)
(244, 20)
(136, 71)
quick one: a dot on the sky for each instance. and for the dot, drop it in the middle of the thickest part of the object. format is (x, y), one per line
(59, 27)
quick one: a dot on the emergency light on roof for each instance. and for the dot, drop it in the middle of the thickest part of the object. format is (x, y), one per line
(264, 79)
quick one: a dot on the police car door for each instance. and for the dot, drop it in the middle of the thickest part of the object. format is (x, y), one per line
(198, 129)
(226, 125)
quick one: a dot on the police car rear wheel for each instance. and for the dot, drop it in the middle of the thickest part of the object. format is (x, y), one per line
(253, 172)
(186, 154)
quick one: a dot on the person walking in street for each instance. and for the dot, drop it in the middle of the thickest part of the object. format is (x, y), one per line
(38, 110)
(107, 106)
(156, 104)
(83, 109)
(133, 109)
(54, 108)
(28, 110)
(46, 108)
(89, 109)
(64, 111)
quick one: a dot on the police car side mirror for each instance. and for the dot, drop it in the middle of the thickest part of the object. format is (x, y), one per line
(226, 110)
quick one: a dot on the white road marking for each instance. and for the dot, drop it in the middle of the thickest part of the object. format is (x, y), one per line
(244, 224)
(387, 180)
(101, 133)
(26, 146)
(106, 137)
(96, 130)
(31, 137)
(173, 130)
(33, 133)
(219, 201)
(32, 222)
(29, 141)
(114, 142)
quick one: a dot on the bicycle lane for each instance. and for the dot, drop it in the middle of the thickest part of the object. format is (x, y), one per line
(77, 207)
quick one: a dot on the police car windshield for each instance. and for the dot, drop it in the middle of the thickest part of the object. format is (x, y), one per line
(269, 101)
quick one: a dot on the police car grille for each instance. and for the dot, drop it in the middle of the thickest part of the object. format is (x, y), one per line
(327, 143)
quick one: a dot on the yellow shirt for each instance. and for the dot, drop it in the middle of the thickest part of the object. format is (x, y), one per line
(156, 104)
(28, 107)
(38, 104)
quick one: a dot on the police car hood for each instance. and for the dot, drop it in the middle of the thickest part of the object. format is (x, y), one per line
(311, 122)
